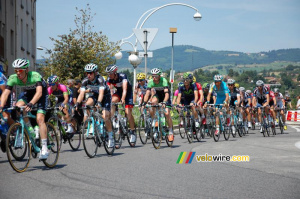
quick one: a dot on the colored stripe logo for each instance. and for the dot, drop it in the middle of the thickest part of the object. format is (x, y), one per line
(184, 158)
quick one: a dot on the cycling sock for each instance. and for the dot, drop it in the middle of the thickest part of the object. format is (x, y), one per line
(44, 144)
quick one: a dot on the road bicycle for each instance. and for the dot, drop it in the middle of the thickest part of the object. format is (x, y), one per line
(159, 128)
(21, 143)
(279, 118)
(94, 133)
(144, 124)
(220, 113)
(120, 126)
(265, 123)
(60, 125)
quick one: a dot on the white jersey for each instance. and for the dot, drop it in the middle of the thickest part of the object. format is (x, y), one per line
(279, 99)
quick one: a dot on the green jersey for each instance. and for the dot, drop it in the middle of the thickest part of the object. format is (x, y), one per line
(159, 88)
(34, 79)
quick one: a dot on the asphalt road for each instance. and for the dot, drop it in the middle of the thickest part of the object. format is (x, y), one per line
(144, 172)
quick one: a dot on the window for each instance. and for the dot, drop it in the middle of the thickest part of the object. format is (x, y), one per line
(28, 39)
(22, 35)
(12, 42)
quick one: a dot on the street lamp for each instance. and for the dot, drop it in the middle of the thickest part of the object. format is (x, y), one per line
(135, 61)
(172, 31)
(48, 51)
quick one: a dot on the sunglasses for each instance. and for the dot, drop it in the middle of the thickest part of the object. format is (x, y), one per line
(230, 84)
(89, 73)
(187, 79)
(140, 80)
(155, 76)
(260, 86)
(19, 70)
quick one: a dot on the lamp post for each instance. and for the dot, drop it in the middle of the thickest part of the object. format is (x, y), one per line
(48, 51)
(172, 31)
(135, 61)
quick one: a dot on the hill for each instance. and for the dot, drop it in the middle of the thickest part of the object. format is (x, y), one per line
(188, 58)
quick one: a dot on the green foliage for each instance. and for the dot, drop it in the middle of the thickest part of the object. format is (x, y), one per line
(81, 46)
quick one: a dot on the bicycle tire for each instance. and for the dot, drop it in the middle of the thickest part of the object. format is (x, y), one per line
(227, 132)
(75, 140)
(181, 128)
(239, 130)
(216, 137)
(56, 123)
(117, 133)
(131, 144)
(156, 134)
(90, 142)
(18, 157)
(109, 150)
(281, 125)
(198, 133)
(169, 143)
(52, 145)
(189, 129)
(142, 129)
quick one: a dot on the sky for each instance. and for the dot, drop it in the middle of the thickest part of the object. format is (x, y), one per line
(236, 25)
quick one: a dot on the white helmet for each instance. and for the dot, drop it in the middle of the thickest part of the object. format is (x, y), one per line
(90, 67)
(230, 81)
(20, 63)
(259, 83)
(156, 71)
(242, 89)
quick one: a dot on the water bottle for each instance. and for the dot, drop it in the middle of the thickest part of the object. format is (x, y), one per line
(37, 132)
(163, 121)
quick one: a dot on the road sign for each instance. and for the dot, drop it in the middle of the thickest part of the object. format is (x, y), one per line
(140, 35)
(142, 54)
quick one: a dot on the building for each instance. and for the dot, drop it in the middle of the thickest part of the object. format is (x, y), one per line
(17, 32)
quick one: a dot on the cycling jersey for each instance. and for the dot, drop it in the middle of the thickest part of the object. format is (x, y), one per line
(245, 98)
(261, 96)
(220, 93)
(59, 92)
(3, 81)
(143, 88)
(34, 79)
(211, 98)
(199, 88)
(94, 86)
(118, 84)
(159, 89)
(188, 93)
(233, 96)
(279, 99)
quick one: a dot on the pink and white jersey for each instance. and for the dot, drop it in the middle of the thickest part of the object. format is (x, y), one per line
(59, 93)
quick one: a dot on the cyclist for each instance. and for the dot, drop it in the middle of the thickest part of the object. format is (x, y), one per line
(35, 92)
(141, 88)
(6, 115)
(280, 102)
(271, 103)
(189, 92)
(288, 101)
(63, 99)
(174, 102)
(245, 102)
(235, 98)
(98, 94)
(123, 94)
(158, 89)
(261, 98)
(200, 97)
(221, 91)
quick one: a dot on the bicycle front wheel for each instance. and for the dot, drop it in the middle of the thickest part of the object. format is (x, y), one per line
(227, 132)
(53, 146)
(75, 137)
(89, 138)
(109, 150)
(189, 129)
(143, 129)
(156, 134)
(18, 148)
(199, 133)
(54, 121)
(181, 126)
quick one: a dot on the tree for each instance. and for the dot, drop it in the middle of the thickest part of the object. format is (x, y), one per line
(81, 46)
(231, 72)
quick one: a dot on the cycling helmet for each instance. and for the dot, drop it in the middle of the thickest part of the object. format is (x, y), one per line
(259, 83)
(236, 85)
(185, 76)
(194, 79)
(90, 67)
(230, 81)
(111, 69)
(141, 76)
(206, 86)
(218, 78)
(149, 77)
(156, 71)
(52, 79)
(104, 77)
(180, 84)
(20, 63)
(276, 90)
(190, 76)
(287, 95)
(242, 89)
(248, 91)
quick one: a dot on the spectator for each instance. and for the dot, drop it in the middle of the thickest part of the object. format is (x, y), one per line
(298, 103)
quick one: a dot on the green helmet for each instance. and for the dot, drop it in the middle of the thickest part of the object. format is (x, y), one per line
(186, 76)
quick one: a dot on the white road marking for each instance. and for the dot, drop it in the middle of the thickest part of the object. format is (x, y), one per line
(297, 144)
(296, 127)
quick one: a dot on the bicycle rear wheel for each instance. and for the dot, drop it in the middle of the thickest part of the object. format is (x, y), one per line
(109, 150)
(169, 143)
(75, 137)
(89, 139)
(226, 132)
(199, 132)
(18, 148)
(53, 146)
(117, 132)
(280, 124)
(156, 134)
